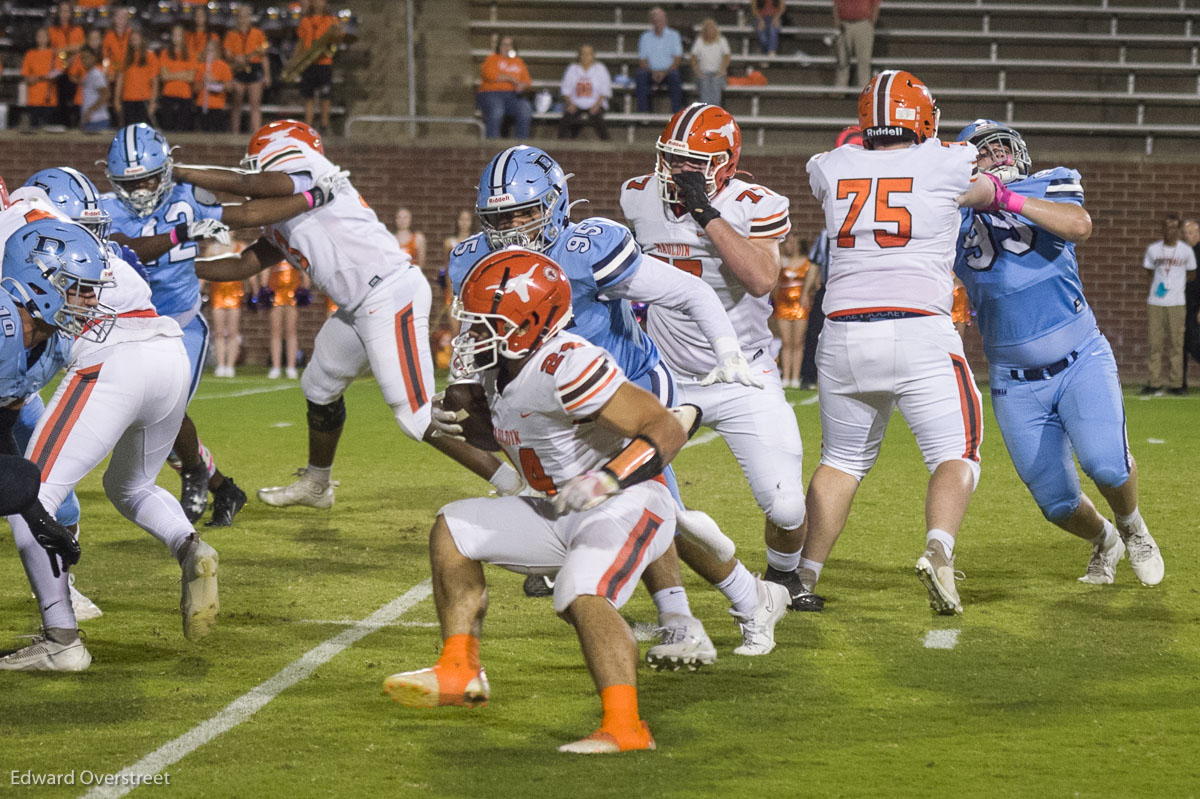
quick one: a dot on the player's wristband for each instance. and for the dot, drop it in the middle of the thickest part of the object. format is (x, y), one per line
(638, 462)
(179, 233)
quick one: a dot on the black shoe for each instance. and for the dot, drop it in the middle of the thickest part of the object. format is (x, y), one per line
(537, 585)
(194, 494)
(1178, 391)
(1149, 390)
(228, 499)
(803, 598)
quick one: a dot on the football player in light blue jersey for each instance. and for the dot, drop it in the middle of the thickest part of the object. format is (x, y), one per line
(523, 201)
(1055, 389)
(163, 222)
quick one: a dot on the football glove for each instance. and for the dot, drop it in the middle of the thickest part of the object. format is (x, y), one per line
(325, 187)
(58, 541)
(585, 491)
(447, 423)
(731, 366)
(693, 190)
(203, 229)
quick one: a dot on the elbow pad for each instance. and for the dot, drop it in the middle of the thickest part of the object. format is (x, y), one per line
(638, 462)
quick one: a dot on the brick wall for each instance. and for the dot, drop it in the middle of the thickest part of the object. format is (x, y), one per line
(1127, 200)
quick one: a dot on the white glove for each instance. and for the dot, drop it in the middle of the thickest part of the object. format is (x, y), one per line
(731, 366)
(208, 229)
(446, 423)
(585, 491)
(333, 183)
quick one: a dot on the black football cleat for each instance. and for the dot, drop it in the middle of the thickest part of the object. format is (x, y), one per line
(194, 494)
(228, 499)
(803, 598)
(537, 585)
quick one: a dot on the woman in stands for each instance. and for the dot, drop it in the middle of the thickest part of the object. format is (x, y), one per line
(246, 48)
(768, 19)
(199, 37)
(137, 83)
(504, 79)
(176, 72)
(38, 71)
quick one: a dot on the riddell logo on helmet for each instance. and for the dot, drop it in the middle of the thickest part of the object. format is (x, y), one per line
(501, 199)
(887, 130)
(136, 169)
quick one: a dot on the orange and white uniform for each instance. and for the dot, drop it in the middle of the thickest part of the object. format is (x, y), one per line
(383, 300)
(543, 421)
(789, 291)
(284, 280)
(888, 341)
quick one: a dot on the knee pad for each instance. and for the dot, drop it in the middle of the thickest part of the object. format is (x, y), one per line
(787, 509)
(1057, 511)
(1108, 475)
(326, 418)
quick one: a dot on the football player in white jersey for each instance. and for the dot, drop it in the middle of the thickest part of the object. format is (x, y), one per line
(891, 209)
(695, 214)
(383, 304)
(598, 443)
(124, 393)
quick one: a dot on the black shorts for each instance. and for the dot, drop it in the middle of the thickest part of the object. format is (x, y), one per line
(253, 73)
(316, 81)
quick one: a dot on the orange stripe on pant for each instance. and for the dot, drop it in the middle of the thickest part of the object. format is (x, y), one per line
(971, 410)
(410, 360)
(58, 426)
(629, 557)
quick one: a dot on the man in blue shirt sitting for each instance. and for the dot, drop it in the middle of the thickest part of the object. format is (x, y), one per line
(659, 51)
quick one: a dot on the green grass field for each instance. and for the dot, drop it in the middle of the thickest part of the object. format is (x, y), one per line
(1052, 689)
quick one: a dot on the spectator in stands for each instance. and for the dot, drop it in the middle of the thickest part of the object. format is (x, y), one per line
(1174, 265)
(66, 39)
(93, 40)
(116, 42)
(136, 88)
(710, 62)
(246, 48)
(586, 89)
(504, 79)
(176, 72)
(768, 20)
(93, 114)
(411, 241)
(38, 70)
(1191, 328)
(855, 21)
(659, 52)
(199, 36)
(316, 82)
(213, 79)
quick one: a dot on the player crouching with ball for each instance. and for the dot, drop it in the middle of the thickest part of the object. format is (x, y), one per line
(594, 443)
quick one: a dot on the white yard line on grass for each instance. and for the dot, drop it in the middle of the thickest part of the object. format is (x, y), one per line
(362, 623)
(941, 639)
(249, 703)
(703, 438)
(245, 392)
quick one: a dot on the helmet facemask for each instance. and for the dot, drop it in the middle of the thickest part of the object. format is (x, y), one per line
(132, 192)
(1006, 148)
(502, 226)
(673, 154)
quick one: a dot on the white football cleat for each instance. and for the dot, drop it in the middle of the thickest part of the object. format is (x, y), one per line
(684, 645)
(302, 491)
(936, 572)
(1144, 556)
(1102, 566)
(199, 602)
(45, 654)
(758, 629)
(84, 608)
(421, 689)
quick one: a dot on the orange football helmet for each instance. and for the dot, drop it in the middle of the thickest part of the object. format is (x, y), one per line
(277, 131)
(897, 105)
(851, 134)
(511, 301)
(701, 133)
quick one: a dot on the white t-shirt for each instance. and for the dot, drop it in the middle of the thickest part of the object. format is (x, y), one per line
(710, 55)
(582, 86)
(1171, 265)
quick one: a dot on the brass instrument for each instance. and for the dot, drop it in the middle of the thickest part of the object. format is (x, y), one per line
(325, 46)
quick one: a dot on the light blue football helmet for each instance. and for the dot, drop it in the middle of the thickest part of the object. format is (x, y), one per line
(517, 180)
(1005, 146)
(75, 195)
(137, 154)
(57, 270)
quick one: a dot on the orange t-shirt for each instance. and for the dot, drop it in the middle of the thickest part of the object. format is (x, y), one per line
(313, 28)
(496, 66)
(176, 88)
(195, 42)
(91, 3)
(284, 280)
(61, 39)
(39, 64)
(76, 72)
(138, 86)
(252, 43)
(216, 71)
(226, 295)
(114, 49)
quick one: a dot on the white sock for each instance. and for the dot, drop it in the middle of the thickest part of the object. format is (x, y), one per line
(671, 601)
(812, 566)
(1131, 523)
(319, 475)
(53, 594)
(1102, 540)
(740, 589)
(943, 538)
(783, 561)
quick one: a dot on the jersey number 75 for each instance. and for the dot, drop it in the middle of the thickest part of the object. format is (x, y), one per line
(879, 193)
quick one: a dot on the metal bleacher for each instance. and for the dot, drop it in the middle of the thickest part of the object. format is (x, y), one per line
(1078, 69)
